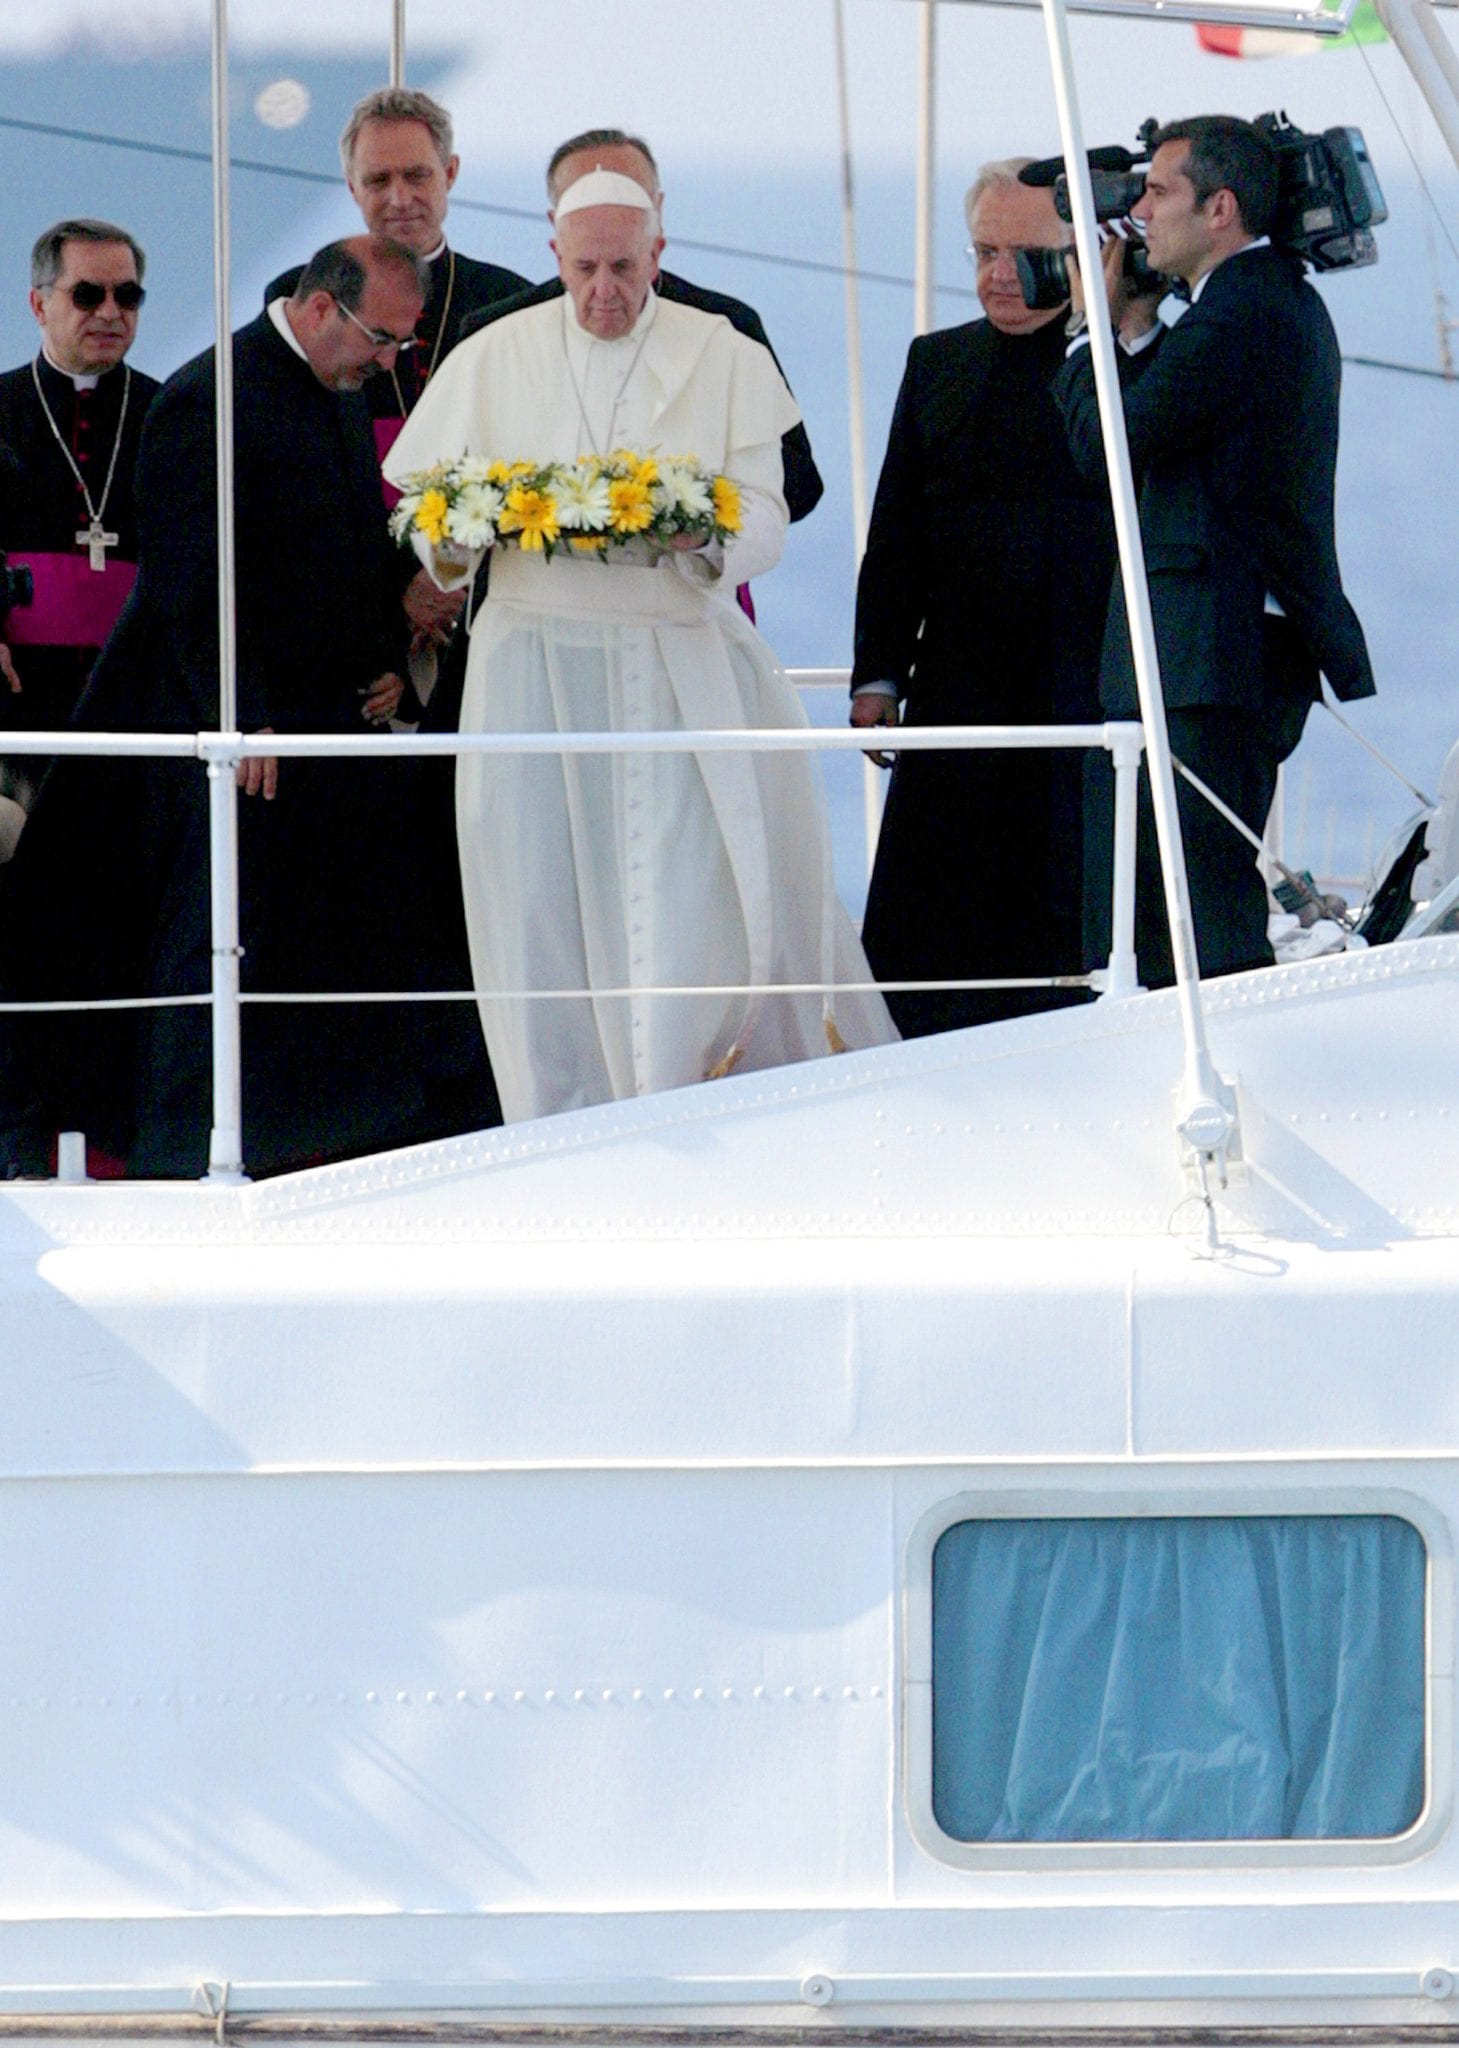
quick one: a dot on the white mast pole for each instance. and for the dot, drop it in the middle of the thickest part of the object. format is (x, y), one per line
(1429, 55)
(871, 786)
(397, 42)
(860, 500)
(225, 1143)
(1206, 1117)
(924, 314)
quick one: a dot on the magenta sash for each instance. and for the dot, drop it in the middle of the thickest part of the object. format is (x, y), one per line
(387, 433)
(75, 605)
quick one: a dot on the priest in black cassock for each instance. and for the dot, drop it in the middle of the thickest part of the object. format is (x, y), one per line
(115, 865)
(70, 424)
(981, 601)
(400, 163)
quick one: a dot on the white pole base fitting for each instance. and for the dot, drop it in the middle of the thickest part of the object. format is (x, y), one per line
(71, 1157)
(817, 1990)
(1438, 1983)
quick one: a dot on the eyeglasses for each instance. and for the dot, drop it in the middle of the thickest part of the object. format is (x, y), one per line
(378, 338)
(87, 297)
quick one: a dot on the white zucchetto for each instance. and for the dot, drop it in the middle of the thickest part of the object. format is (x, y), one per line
(603, 188)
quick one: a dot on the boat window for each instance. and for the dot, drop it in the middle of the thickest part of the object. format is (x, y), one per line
(1178, 1679)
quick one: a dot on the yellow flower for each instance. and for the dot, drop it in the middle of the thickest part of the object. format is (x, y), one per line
(507, 472)
(643, 469)
(532, 515)
(588, 543)
(631, 508)
(726, 505)
(430, 516)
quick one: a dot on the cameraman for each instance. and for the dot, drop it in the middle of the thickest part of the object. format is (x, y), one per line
(1232, 417)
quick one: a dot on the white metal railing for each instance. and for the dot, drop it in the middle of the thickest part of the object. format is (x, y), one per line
(221, 752)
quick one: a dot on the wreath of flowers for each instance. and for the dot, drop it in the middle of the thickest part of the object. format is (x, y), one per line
(587, 507)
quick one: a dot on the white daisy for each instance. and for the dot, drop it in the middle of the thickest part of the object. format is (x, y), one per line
(583, 504)
(686, 493)
(472, 519)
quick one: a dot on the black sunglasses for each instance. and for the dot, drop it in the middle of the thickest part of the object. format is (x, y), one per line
(87, 297)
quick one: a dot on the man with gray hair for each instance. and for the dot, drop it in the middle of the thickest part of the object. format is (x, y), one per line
(400, 163)
(981, 601)
(71, 423)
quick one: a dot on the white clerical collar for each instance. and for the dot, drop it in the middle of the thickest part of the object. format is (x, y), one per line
(1261, 242)
(437, 252)
(634, 334)
(88, 383)
(280, 319)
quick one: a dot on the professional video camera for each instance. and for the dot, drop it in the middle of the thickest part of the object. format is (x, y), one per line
(1118, 179)
(1329, 201)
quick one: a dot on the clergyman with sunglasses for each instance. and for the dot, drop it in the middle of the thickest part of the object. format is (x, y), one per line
(71, 422)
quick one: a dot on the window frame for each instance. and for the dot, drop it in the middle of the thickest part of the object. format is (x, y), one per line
(1064, 1502)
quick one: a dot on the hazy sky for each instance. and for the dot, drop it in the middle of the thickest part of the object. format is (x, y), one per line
(755, 79)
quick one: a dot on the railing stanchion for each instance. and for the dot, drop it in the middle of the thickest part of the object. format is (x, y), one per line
(1126, 744)
(225, 1142)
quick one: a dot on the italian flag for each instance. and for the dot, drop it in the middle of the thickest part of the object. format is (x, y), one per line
(1224, 41)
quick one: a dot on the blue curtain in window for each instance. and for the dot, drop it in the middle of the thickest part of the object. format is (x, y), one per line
(1178, 1679)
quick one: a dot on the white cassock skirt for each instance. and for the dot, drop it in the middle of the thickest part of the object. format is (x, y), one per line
(627, 875)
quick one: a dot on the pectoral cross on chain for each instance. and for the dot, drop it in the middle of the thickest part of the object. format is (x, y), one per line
(98, 541)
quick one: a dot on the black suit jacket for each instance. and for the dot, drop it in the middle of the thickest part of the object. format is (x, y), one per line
(475, 287)
(1233, 422)
(803, 485)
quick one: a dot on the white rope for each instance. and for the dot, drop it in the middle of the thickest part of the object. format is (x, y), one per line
(107, 1003)
(1378, 755)
(212, 2001)
(730, 988)
(550, 995)
(1298, 882)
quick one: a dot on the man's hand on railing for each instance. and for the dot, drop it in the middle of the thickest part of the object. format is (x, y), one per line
(381, 700)
(875, 707)
(259, 774)
(7, 669)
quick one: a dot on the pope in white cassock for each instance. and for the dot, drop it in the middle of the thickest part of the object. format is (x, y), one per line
(631, 874)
